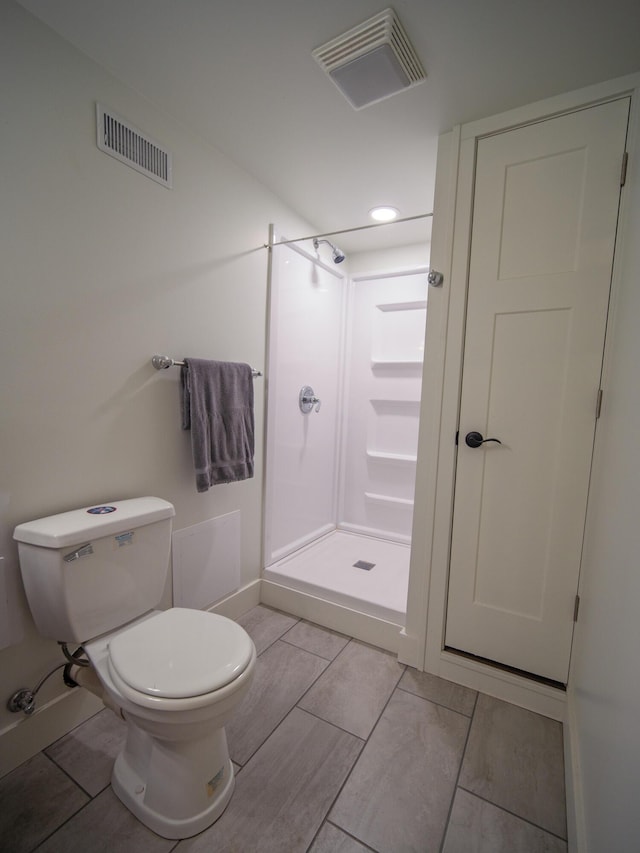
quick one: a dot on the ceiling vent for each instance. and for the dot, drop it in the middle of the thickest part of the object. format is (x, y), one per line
(371, 61)
(117, 137)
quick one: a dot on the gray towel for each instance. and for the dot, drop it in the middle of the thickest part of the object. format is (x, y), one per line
(217, 406)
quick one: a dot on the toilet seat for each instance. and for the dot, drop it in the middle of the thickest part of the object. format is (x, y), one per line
(179, 654)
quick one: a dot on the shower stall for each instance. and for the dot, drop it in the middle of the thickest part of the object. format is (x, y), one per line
(344, 381)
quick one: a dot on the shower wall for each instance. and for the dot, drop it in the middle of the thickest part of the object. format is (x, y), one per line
(387, 316)
(305, 347)
(359, 344)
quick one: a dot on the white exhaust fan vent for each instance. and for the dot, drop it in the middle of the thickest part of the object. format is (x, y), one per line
(120, 139)
(371, 61)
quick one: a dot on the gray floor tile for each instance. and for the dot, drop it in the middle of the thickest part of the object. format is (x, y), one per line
(439, 690)
(283, 674)
(313, 638)
(355, 688)
(514, 759)
(88, 752)
(476, 826)
(265, 625)
(36, 799)
(105, 826)
(333, 840)
(399, 793)
(284, 792)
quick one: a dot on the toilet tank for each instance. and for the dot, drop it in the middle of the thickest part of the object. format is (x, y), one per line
(91, 570)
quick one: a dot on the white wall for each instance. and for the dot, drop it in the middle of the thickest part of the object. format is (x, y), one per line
(305, 348)
(604, 692)
(390, 260)
(102, 268)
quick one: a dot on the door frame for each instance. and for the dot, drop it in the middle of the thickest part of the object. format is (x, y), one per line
(423, 639)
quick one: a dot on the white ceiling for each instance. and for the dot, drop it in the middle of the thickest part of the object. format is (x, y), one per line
(241, 73)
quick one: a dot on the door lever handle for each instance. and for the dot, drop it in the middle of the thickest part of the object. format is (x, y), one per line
(475, 439)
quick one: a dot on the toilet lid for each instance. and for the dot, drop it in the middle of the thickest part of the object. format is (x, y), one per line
(181, 653)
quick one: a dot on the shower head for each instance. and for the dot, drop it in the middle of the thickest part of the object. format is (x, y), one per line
(338, 256)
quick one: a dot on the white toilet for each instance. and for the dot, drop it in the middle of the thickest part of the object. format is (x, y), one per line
(93, 576)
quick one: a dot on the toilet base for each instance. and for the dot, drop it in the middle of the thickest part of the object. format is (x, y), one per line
(173, 789)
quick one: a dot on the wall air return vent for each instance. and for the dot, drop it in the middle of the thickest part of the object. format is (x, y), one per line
(371, 61)
(117, 137)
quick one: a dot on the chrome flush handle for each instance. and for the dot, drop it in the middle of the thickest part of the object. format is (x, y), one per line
(82, 551)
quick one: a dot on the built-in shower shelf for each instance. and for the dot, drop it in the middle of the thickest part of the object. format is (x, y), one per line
(392, 457)
(413, 364)
(402, 306)
(395, 407)
(387, 499)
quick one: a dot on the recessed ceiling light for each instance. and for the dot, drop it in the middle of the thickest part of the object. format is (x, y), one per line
(384, 214)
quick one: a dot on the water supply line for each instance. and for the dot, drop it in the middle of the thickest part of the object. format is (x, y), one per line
(25, 700)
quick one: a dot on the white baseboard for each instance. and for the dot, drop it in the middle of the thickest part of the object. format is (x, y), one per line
(26, 737)
(548, 701)
(576, 827)
(369, 629)
(409, 650)
(234, 605)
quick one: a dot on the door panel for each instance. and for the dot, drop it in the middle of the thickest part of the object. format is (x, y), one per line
(545, 212)
(511, 528)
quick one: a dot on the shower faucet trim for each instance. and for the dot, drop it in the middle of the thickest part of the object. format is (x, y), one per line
(307, 400)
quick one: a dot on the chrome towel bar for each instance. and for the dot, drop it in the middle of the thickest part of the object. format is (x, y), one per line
(161, 362)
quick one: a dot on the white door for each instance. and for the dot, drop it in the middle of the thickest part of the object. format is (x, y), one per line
(544, 223)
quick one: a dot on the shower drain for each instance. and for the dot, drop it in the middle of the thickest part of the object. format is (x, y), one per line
(362, 564)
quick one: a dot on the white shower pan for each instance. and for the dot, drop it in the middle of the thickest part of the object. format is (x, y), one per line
(326, 568)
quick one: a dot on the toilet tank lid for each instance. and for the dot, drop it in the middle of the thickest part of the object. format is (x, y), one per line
(92, 522)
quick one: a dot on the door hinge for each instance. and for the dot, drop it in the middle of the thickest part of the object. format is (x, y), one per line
(623, 171)
(576, 607)
(599, 403)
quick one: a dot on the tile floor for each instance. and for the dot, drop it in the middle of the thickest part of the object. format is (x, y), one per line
(339, 749)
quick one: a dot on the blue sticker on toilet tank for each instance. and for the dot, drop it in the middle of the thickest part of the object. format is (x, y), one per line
(101, 510)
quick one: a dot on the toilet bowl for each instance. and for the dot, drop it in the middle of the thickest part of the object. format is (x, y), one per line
(177, 676)
(94, 576)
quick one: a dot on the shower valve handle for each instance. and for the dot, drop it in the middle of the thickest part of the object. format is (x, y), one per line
(307, 400)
